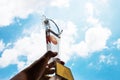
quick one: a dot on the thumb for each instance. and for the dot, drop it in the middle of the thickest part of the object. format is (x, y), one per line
(51, 54)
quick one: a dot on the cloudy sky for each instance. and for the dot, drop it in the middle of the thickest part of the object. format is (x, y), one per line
(90, 42)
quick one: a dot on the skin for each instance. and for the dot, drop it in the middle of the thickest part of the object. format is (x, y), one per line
(39, 69)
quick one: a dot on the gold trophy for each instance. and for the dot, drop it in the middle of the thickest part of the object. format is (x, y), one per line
(52, 40)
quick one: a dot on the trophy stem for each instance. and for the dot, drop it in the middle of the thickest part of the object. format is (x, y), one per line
(52, 40)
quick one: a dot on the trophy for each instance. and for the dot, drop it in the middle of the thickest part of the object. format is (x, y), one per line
(52, 40)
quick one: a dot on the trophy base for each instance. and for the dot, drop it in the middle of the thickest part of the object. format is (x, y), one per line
(62, 72)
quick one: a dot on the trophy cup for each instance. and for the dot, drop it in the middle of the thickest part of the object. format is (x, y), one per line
(52, 40)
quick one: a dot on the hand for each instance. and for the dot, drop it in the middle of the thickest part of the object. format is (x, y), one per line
(39, 69)
(50, 69)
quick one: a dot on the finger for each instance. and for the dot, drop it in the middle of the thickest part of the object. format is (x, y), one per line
(52, 64)
(45, 77)
(51, 54)
(49, 71)
(62, 62)
(59, 61)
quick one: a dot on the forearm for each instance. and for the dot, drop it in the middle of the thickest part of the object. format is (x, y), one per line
(36, 70)
(20, 76)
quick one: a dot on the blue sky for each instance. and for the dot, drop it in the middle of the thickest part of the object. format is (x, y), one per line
(90, 42)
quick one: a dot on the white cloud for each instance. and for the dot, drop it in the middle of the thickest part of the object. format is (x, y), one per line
(8, 56)
(104, 1)
(21, 65)
(91, 11)
(11, 9)
(93, 21)
(90, 8)
(103, 59)
(81, 49)
(107, 59)
(95, 40)
(2, 45)
(67, 40)
(117, 43)
(32, 46)
(22, 8)
(60, 3)
(96, 36)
